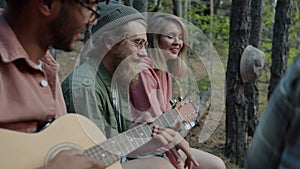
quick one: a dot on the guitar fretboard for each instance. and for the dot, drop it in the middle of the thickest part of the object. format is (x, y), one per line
(114, 148)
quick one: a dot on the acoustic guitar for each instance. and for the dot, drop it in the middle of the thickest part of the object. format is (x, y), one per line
(31, 150)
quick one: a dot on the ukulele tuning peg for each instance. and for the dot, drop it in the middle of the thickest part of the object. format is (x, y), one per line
(173, 102)
(180, 98)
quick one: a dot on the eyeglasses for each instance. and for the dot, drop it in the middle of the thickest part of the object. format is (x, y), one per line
(172, 37)
(139, 43)
(95, 14)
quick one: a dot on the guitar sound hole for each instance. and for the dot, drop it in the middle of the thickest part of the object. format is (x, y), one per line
(59, 147)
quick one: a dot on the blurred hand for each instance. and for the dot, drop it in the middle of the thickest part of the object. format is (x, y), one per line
(177, 160)
(73, 159)
(170, 138)
(177, 142)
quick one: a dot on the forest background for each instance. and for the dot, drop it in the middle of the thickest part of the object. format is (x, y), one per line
(215, 18)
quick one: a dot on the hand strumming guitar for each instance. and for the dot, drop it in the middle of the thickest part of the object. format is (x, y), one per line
(178, 143)
(166, 137)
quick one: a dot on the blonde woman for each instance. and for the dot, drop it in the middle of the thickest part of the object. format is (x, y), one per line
(152, 91)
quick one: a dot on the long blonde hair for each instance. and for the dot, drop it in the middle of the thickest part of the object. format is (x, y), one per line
(155, 26)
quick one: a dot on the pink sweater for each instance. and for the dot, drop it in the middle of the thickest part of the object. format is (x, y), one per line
(152, 92)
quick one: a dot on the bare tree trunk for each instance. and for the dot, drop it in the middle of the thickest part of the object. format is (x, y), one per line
(140, 5)
(216, 6)
(177, 10)
(280, 43)
(128, 2)
(257, 10)
(211, 19)
(185, 9)
(251, 91)
(236, 107)
(298, 34)
(157, 6)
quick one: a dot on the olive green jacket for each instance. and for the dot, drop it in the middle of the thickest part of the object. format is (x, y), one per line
(87, 91)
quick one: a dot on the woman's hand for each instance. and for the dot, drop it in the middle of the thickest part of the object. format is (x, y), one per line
(177, 142)
(185, 147)
(170, 138)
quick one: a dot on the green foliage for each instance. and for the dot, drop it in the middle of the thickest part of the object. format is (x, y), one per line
(268, 31)
(203, 83)
(218, 25)
(151, 5)
(217, 29)
(166, 5)
(294, 37)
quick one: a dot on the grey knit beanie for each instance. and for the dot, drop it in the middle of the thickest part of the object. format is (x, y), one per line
(116, 14)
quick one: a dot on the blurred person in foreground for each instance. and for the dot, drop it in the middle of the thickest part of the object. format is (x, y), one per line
(30, 93)
(276, 141)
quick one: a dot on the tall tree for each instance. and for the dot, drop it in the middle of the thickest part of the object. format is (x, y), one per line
(298, 34)
(128, 2)
(157, 6)
(236, 118)
(251, 91)
(186, 9)
(280, 42)
(216, 5)
(140, 5)
(257, 10)
(177, 9)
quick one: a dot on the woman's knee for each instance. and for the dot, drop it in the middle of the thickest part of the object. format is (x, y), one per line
(219, 163)
(207, 160)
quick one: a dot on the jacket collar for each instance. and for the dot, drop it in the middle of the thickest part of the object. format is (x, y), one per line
(11, 49)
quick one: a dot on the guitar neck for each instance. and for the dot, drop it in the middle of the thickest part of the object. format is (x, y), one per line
(114, 148)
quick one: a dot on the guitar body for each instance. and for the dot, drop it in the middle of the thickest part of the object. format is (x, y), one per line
(33, 150)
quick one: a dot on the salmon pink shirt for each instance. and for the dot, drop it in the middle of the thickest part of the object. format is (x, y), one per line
(151, 92)
(29, 95)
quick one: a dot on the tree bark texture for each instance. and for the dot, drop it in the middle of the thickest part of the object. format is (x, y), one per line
(251, 91)
(140, 5)
(257, 10)
(177, 9)
(280, 43)
(236, 108)
(128, 2)
(157, 6)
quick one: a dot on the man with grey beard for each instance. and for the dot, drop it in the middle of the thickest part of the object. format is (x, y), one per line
(120, 32)
(93, 89)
